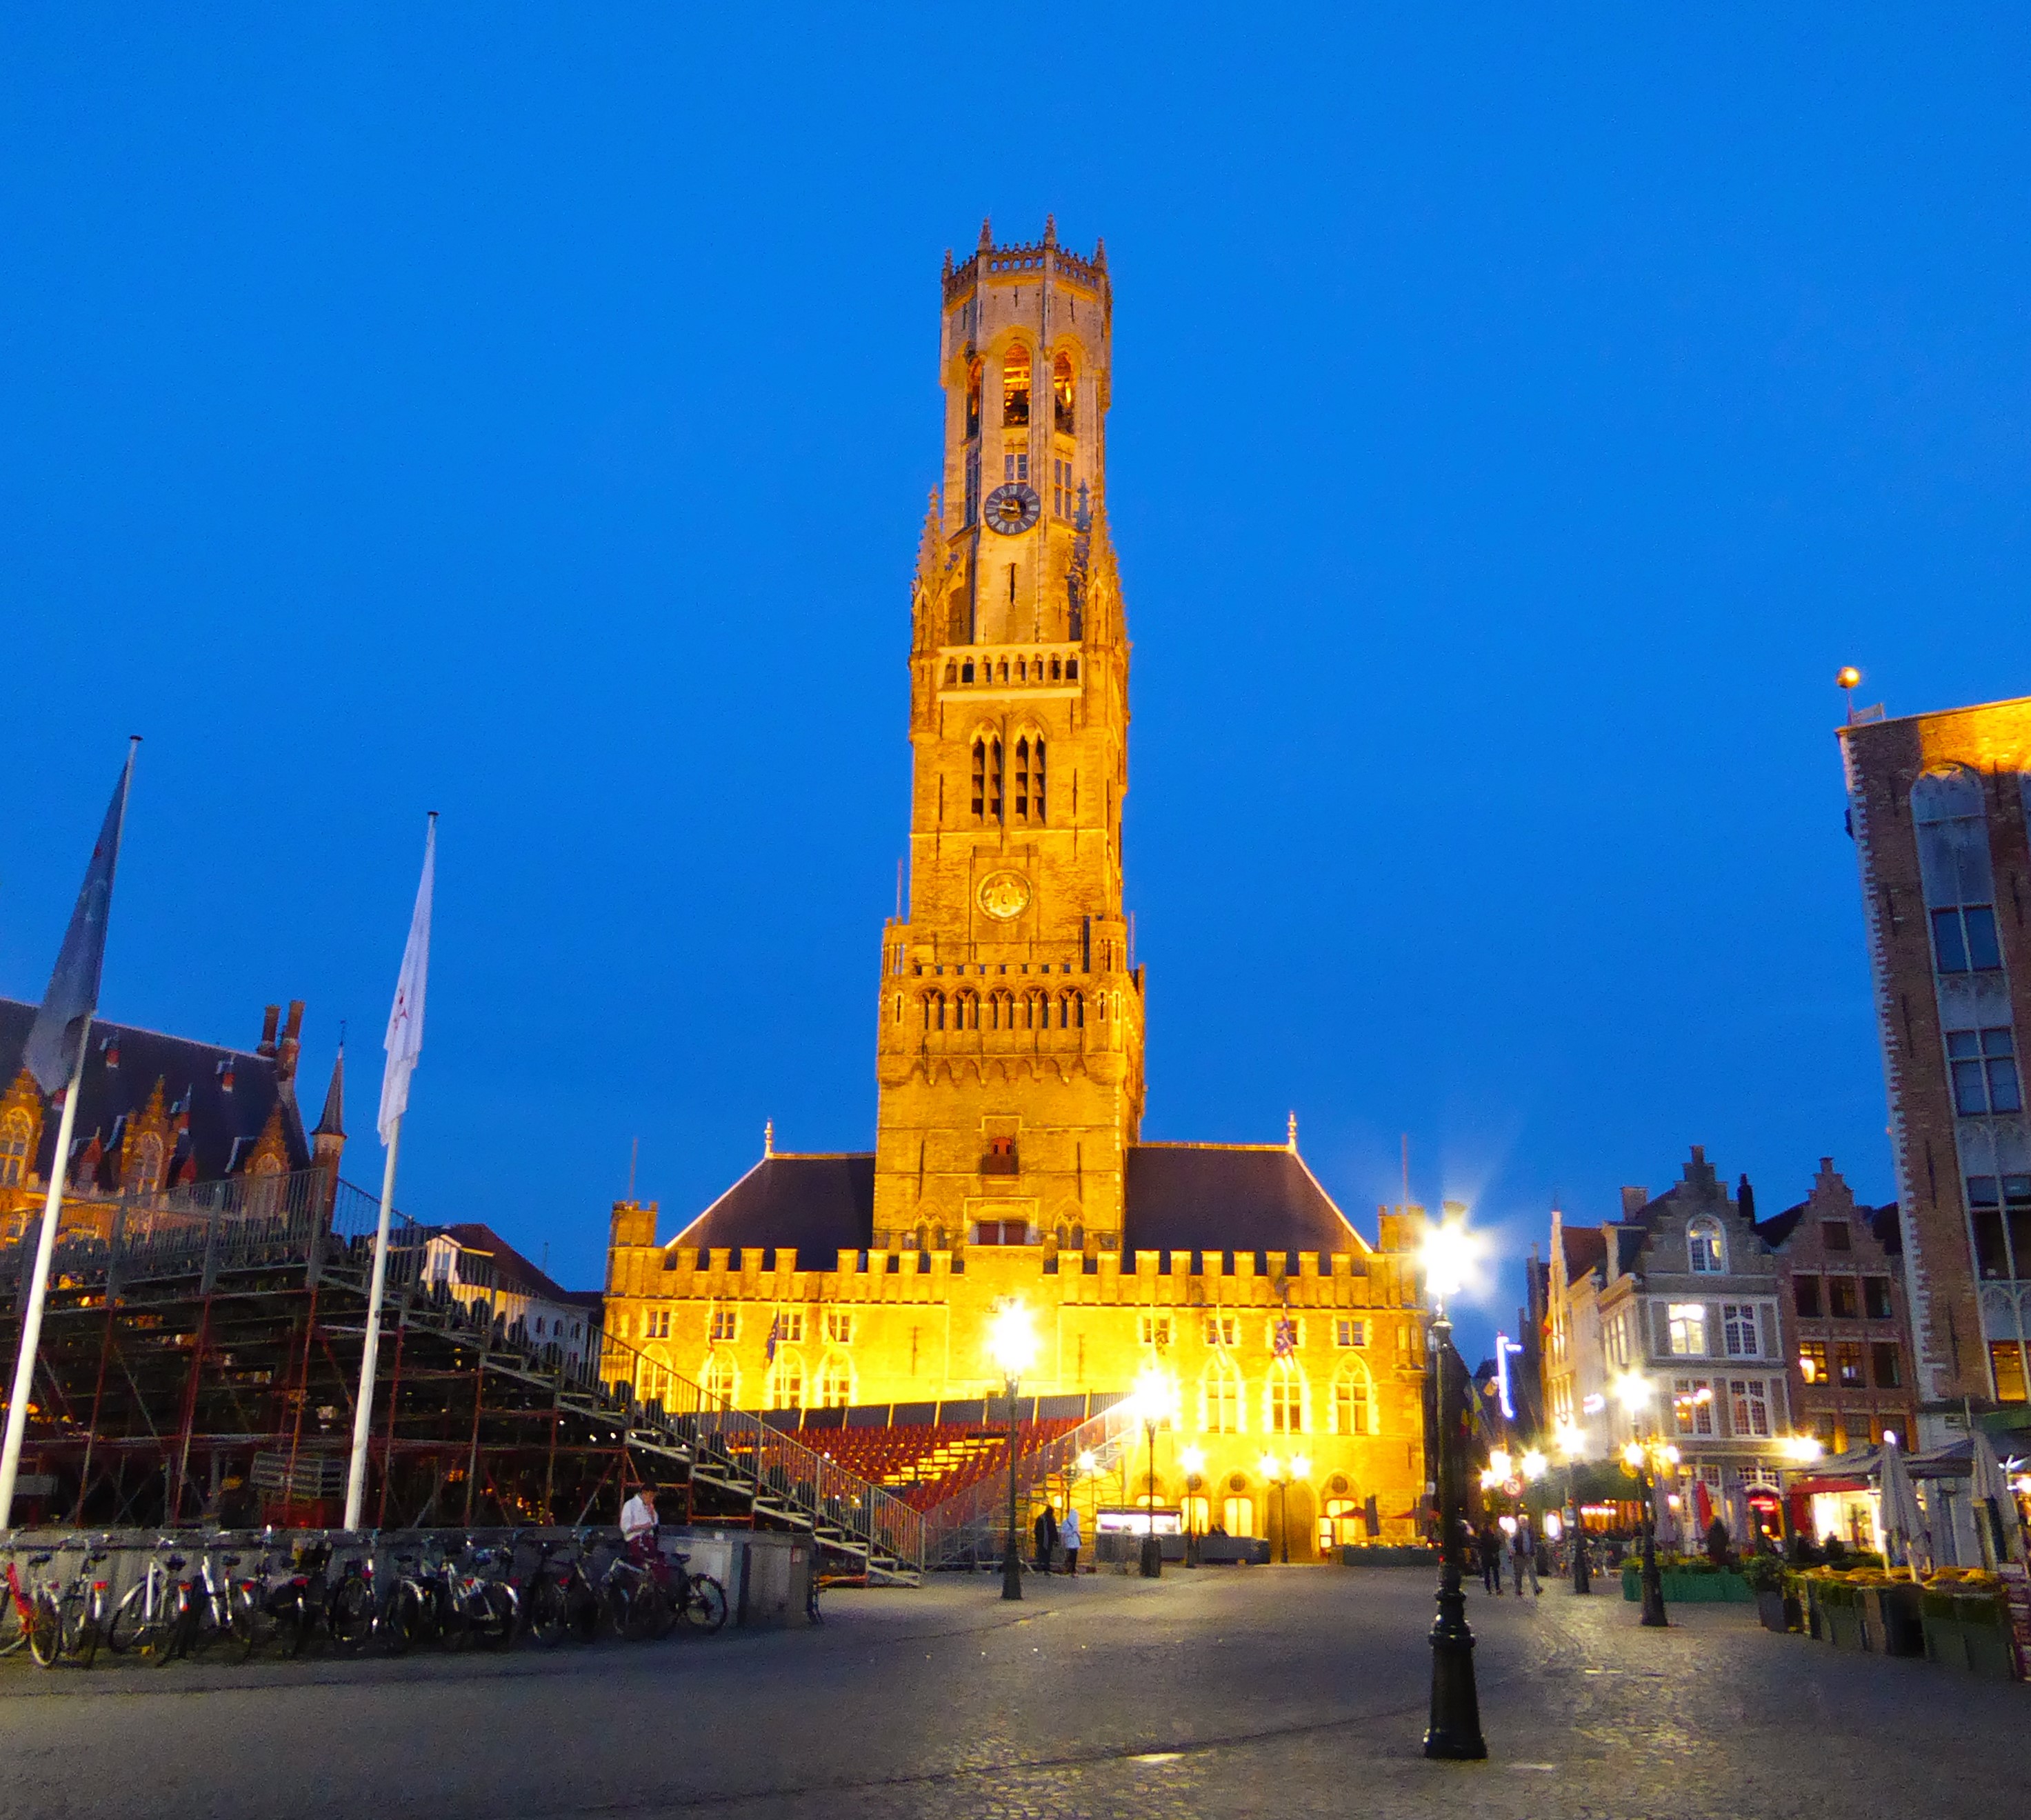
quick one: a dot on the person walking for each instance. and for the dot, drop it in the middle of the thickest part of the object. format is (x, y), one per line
(1523, 1554)
(1068, 1537)
(1491, 1556)
(1047, 1532)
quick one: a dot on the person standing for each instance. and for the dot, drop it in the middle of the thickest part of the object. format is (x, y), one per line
(1523, 1554)
(637, 1520)
(1069, 1536)
(1046, 1532)
(1491, 1556)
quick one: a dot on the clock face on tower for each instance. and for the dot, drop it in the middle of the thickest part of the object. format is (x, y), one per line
(1012, 507)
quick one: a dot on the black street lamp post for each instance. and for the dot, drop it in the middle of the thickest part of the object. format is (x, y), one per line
(1013, 1343)
(1454, 1731)
(1012, 1556)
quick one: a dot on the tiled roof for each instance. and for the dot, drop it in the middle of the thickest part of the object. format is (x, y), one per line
(513, 1273)
(1181, 1198)
(1585, 1248)
(1229, 1197)
(224, 1122)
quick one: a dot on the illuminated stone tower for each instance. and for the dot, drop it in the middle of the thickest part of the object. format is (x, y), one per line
(1010, 1055)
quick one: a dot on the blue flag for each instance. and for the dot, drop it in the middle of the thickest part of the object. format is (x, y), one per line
(53, 1043)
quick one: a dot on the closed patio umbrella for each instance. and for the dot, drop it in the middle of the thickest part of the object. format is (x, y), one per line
(1901, 1517)
(1993, 1498)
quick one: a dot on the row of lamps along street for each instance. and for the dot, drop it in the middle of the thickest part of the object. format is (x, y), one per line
(1453, 1729)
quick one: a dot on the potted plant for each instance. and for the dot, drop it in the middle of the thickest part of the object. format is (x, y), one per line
(1765, 1575)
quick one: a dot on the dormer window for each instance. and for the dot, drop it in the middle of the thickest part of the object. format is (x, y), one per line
(1705, 1248)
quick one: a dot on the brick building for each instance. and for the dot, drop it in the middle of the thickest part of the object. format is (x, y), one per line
(1846, 1328)
(1008, 1163)
(1939, 806)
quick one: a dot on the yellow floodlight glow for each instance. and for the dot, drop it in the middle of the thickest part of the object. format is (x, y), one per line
(1271, 1467)
(1572, 1440)
(1156, 1396)
(1535, 1464)
(1632, 1391)
(1088, 1461)
(1632, 1455)
(1498, 1461)
(1192, 1459)
(1448, 1256)
(1301, 1466)
(1012, 1340)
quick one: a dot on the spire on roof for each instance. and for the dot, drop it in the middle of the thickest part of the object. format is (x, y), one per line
(1291, 1133)
(332, 1123)
(986, 232)
(768, 1139)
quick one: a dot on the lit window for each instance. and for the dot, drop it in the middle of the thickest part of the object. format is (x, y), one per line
(1813, 1361)
(1739, 1332)
(14, 1131)
(1687, 1325)
(973, 375)
(1353, 1399)
(1692, 1405)
(1063, 408)
(1984, 1071)
(1237, 1514)
(839, 1326)
(722, 1381)
(1222, 1329)
(1705, 1249)
(1015, 387)
(1156, 1330)
(1285, 1400)
(786, 1385)
(790, 1327)
(1347, 1332)
(836, 1385)
(1847, 1366)
(725, 1324)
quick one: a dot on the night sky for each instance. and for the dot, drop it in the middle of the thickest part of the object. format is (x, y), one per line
(527, 413)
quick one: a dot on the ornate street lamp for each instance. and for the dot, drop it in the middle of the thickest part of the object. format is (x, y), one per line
(1156, 1403)
(1191, 1462)
(1633, 1391)
(1454, 1729)
(1012, 1343)
(1572, 1444)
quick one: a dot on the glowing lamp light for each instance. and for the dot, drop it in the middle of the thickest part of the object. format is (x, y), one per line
(1271, 1467)
(1490, 1478)
(1192, 1459)
(1632, 1455)
(1572, 1440)
(1011, 1341)
(1448, 1253)
(1301, 1466)
(1804, 1447)
(1535, 1465)
(1088, 1461)
(1156, 1397)
(1498, 1462)
(1890, 1437)
(1632, 1391)
(1848, 678)
(1554, 1526)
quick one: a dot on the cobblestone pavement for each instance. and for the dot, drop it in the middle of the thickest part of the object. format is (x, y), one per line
(1270, 1691)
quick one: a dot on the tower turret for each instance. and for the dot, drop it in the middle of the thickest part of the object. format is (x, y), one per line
(1011, 1045)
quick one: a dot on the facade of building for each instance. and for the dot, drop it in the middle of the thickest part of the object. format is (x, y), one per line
(475, 1262)
(1847, 1335)
(157, 1113)
(1939, 806)
(1009, 1164)
(1683, 1292)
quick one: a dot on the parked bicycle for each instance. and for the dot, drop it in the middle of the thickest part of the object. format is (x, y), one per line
(28, 1614)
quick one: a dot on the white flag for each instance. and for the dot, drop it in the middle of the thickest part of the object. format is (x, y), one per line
(404, 1040)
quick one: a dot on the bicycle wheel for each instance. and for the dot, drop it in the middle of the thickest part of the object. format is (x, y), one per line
(130, 1620)
(202, 1627)
(546, 1614)
(403, 1621)
(584, 1607)
(78, 1626)
(246, 1620)
(350, 1614)
(503, 1612)
(705, 1604)
(44, 1631)
(12, 1634)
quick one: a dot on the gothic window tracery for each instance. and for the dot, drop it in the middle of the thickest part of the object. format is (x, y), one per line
(1221, 1397)
(934, 1011)
(16, 1130)
(987, 778)
(1063, 407)
(1029, 791)
(1015, 388)
(145, 1173)
(1354, 1400)
(973, 378)
(965, 1011)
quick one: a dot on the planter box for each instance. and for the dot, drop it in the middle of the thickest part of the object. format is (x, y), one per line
(1775, 1611)
(1895, 1618)
(1843, 1619)
(1984, 1624)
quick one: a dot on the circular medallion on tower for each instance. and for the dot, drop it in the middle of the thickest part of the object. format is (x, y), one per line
(1003, 895)
(1013, 508)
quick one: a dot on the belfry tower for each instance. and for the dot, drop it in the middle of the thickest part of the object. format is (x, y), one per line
(1010, 1055)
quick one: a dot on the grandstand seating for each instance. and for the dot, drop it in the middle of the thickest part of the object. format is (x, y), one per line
(925, 1464)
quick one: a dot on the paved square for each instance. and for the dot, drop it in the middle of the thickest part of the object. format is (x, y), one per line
(1257, 1692)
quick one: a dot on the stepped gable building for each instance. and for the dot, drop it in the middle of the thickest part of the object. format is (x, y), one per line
(1008, 1161)
(1939, 807)
(1683, 1290)
(158, 1112)
(1847, 1337)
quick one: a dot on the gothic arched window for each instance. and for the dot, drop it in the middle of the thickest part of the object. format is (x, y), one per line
(1000, 1011)
(145, 1172)
(1015, 388)
(15, 1130)
(835, 1384)
(1061, 394)
(1029, 805)
(1954, 865)
(1284, 1400)
(1353, 1399)
(972, 400)
(987, 774)
(966, 1012)
(1220, 1397)
(722, 1381)
(786, 1384)
(934, 1011)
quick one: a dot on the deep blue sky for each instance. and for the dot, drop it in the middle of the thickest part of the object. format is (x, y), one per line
(527, 413)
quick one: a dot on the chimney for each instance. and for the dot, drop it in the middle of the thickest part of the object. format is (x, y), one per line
(291, 1045)
(1633, 1202)
(270, 1015)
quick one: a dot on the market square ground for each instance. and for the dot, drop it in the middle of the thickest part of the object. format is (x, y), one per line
(1243, 1691)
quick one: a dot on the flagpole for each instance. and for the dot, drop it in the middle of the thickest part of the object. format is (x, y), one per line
(31, 1319)
(362, 1406)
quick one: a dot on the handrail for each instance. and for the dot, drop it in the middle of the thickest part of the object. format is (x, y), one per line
(948, 1523)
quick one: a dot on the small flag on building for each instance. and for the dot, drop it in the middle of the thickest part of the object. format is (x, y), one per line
(775, 1333)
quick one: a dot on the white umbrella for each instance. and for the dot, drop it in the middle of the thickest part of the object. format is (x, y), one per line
(2003, 1530)
(1735, 1494)
(1901, 1517)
